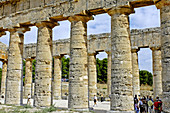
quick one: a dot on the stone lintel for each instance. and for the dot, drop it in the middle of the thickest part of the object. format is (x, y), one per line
(161, 3)
(20, 30)
(48, 24)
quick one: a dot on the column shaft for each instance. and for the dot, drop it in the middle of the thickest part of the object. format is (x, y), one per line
(28, 78)
(121, 78)
(57, 79)
(157, 73)
(92, 76)
(165, 51)
(135, 73)
(14, 73)
(3, 79)
(109, 74)
(78, 77)
(43, 76)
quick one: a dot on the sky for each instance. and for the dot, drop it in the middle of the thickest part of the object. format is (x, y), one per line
(145, 17)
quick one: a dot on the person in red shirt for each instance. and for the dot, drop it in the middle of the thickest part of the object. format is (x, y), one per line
(158, 105)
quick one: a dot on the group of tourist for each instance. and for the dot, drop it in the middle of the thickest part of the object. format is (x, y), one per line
(147, 105)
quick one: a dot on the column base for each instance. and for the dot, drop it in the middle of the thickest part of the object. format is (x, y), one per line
(120, 111)
(79, 110)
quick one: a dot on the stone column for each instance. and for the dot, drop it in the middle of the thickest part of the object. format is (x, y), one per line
(135, 73)
(92, 75)
(28, 78)
(14, 82)
(78, 77)
(121, 70)
(108, 73)
(3, 79)
(43, 74)
(157, 72)
(57, 78)
(164, 7)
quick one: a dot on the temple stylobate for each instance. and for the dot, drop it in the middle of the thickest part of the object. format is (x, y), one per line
(121, 46)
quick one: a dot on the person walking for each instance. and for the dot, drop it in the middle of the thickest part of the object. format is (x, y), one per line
(158, 105)
(137, 107)
(95, 100)
(150, 105)
(28, 99)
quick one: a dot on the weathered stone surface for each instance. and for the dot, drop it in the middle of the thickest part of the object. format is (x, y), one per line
(43, 74)
(14, 73)
(3, 79)
(121, 78)
(109, 73)
(31, 11)
(78, 77)
(101, 42)
(164, 7)
(92, 74)
(135, 73)
(57, 78)
(28, 78)
(157, 72)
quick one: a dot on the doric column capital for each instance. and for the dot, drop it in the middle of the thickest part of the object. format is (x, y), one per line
(57, 57)
(155, 48)
(92, 54)
(29, 59)
(161, 3)
(47, 24)
(134, 50)
(84, 18)
(124, 10)
(4, 60)
(108, 52)
(20, 30)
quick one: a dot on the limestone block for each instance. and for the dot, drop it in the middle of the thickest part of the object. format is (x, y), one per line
(3, 79)
(78, 78)
(28, 78)
(165, 51)
(43, 77)
(36, 3)
(135, 72)
(92, 76)
(14, 73)
(57, 79)
(121, 69)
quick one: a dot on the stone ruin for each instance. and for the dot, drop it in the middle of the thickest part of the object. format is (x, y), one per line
(16, 16)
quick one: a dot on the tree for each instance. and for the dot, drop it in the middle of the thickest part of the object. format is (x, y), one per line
(145, 77)
(101, 66)
(65, 67)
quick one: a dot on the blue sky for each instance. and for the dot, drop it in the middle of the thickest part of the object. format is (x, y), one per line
(145, 17)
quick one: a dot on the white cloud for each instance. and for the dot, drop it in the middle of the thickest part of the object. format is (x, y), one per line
(145, 17)
(145, 59)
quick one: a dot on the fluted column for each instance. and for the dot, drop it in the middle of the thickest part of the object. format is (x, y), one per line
(3, 79)
(135, 73)
(28, 78)
(157, 72)
(92, 75)
(164, 6)
(14, 80)
(43, 74)
(121, 69)
(78, 77)
(108, 73)
(57, 78)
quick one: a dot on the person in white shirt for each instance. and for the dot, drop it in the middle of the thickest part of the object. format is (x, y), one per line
(95, 100)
